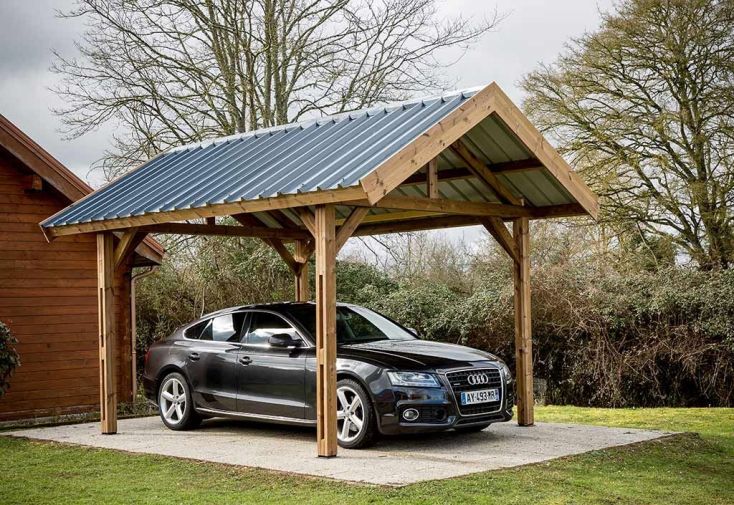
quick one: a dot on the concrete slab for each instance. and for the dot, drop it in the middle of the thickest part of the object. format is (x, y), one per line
(394, 461)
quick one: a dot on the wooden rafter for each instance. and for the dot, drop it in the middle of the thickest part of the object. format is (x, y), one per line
(483, 173)
(411, 158)
(350, 224)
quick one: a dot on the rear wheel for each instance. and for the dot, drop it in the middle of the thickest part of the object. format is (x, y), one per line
(175, 404)
(355, 416)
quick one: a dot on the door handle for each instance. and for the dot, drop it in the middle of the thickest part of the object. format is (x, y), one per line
(245, 360)
(194, 356)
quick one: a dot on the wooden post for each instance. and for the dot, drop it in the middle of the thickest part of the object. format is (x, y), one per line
(432, 179)
(325, 236)
(107, 332)
(303, 293)
(523, 330)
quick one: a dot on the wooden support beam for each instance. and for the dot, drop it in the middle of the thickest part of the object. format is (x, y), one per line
(523, 328)
(483, 173)
(127, 244)
(107, 333)
(333, 196)
(350, 224)
(419, 224)
(432, 179)
(452, 174)
(445, 206)
(211, 221)
(496, 227)
(308, 219)
(303, 252)
(325, 236)
(224, 230)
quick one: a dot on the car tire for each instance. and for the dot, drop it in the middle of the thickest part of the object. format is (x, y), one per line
(356, 438)
(175, 404)
(472, 429)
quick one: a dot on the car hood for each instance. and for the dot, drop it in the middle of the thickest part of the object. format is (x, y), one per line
(413, 354)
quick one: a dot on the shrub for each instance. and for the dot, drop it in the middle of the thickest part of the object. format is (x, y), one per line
(9, 359)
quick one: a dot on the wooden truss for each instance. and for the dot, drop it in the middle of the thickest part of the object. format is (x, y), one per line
(307, 225)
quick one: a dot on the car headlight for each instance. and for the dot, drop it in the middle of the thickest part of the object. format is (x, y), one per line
(413, 379)
(505, 370)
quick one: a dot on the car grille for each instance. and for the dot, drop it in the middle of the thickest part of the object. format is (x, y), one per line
(460, 383)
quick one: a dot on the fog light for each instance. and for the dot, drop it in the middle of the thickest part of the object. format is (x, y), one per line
(410, 414)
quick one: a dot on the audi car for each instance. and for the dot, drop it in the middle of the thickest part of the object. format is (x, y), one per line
(258, 363)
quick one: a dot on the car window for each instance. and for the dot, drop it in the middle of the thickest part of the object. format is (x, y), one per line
(225, 328)
(354, 324)
(194, 331)
(265, 324)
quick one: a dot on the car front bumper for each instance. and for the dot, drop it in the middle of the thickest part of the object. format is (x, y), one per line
(438, 410)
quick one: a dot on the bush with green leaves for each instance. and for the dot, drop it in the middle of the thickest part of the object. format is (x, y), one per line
(9, 359)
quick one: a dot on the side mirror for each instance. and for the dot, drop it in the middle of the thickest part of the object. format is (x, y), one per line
(413, 331)
(283, 340)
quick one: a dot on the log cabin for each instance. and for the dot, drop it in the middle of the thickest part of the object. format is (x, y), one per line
(48, 291)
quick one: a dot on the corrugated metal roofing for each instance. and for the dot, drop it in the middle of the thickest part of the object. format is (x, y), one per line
(328, 153)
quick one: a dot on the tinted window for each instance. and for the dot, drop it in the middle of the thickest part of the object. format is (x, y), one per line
(265, 324)
(353, 324)
(195, 331)
(224, 328)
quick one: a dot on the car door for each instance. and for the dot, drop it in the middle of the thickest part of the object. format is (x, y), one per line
(271, 380)
(212, 349)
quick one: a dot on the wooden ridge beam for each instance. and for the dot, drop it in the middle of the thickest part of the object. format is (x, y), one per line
(483, 173)
(225, 230)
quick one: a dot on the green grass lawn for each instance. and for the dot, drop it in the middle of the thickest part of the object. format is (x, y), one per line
(687, 469)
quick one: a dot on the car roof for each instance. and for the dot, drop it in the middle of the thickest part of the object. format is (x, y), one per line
(274, 306)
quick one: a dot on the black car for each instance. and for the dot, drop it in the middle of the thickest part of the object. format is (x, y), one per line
(258, 362)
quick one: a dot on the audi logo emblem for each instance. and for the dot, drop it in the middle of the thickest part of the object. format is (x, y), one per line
(476, 379)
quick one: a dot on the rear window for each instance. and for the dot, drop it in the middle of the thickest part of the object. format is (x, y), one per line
(224, 328)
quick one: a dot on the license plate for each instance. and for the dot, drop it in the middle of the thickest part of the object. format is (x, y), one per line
(481, 396)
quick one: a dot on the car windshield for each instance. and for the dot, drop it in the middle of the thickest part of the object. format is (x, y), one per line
(353, 324)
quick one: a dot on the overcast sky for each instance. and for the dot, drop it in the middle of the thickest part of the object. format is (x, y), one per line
(533, 31)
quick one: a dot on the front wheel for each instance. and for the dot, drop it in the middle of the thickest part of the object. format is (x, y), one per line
(175, 404)
(355, 416)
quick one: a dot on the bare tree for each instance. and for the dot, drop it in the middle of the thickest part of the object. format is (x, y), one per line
(645, 106)
(176, 71)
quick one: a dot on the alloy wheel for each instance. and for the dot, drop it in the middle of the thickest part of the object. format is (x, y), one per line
(349, 415)
(173, 400)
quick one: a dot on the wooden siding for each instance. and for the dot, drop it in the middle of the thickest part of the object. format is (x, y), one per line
(48, 298)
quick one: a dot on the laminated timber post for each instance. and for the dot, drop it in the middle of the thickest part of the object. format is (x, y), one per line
(523, 330)
(325, 237)
(107, 332)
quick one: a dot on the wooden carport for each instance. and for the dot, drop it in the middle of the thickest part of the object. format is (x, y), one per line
(462, 159)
